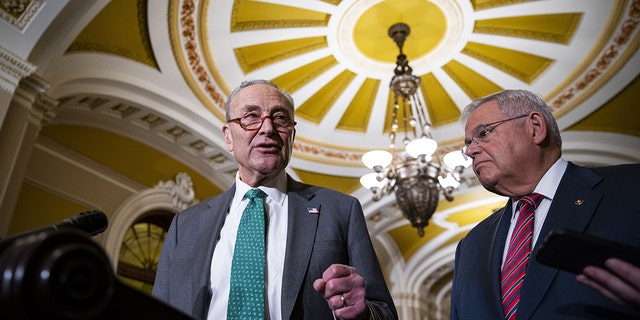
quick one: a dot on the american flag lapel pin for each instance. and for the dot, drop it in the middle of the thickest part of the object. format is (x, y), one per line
(313, 210)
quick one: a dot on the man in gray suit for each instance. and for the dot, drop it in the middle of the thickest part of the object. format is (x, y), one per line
(515, 145)
(320, 263)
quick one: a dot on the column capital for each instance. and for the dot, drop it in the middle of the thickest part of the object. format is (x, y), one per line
(31, 94)
(12, 70)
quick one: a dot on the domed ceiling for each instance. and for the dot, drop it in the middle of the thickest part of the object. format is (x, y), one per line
(337, 60)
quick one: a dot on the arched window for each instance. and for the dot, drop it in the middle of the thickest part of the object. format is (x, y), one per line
(140, 249)
(137, 230)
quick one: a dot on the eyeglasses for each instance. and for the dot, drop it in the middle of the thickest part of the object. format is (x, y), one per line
(253, 122)
(482, 135)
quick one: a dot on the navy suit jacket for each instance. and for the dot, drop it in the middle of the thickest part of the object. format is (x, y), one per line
(609, 209)
(337, 234)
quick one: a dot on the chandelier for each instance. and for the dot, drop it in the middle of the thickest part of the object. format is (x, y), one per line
(412, 171)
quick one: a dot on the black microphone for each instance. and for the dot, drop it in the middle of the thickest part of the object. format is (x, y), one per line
(92, 222)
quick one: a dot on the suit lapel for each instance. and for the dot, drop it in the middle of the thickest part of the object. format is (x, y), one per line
(207, 233)
(573, 207)
(301, 234)
(497, 251)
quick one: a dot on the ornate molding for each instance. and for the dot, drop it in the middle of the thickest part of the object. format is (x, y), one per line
(31, 94)
(181, 191)
(19, 13)
(12, 70)
(625, 39)
(135, 120)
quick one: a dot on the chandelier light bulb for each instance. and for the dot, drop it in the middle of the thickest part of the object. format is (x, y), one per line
(448, 181)
(421, 146)
(377, 158)
(371, 180)
(455, 159)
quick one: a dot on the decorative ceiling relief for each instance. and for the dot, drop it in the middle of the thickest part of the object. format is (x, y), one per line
(20, 12)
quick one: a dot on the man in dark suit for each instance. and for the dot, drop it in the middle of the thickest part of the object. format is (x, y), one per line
(320, 262)
(515, 145)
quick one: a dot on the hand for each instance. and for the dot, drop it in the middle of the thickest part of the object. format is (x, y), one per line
(343, 289)
(620, 281)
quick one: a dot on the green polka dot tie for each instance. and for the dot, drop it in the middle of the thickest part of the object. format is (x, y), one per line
(246, 294)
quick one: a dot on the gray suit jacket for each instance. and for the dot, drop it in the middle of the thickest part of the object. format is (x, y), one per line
(337, 234)
(609, 209)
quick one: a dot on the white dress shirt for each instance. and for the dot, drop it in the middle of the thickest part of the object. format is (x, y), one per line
(546, 187)
(276, 208)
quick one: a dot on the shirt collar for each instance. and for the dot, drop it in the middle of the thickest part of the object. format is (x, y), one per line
(276, 193)
(551, 180)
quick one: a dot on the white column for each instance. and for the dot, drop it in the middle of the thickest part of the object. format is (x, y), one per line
(29, 108)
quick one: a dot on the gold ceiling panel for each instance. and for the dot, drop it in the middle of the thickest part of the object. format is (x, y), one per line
(440, 106)
(297, 78)
(149, 167)
(29, 214)
(472, 83)
(487, 4)
(356, 117)
(477, 213)
(254, 57)
(334, 2)
(409, 241)
(427, 22)
(454, 239)
(340, 183)
(317, 106)
(389, 115)
(254, 15)
(121, 29)
(557, 28)
(620, 114)
(521, 65)
(442, 110)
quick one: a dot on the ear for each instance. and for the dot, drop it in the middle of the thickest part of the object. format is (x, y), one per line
(539, 127)
(292, 137)
(228, 137)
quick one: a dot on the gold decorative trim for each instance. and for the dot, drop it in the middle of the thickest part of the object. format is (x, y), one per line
(308, 149)
(621, 45)
(183, 35)
(274, 24)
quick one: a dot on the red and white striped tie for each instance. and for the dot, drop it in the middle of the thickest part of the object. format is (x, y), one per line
(515, 265)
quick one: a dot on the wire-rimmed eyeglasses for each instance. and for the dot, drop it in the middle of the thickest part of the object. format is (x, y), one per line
(482, 132)
(252, 122)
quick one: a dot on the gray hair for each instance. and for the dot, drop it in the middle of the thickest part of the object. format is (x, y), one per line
(248, 83)
(513, 103)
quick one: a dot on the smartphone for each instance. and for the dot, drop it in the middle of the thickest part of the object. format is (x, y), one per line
(571, 251)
